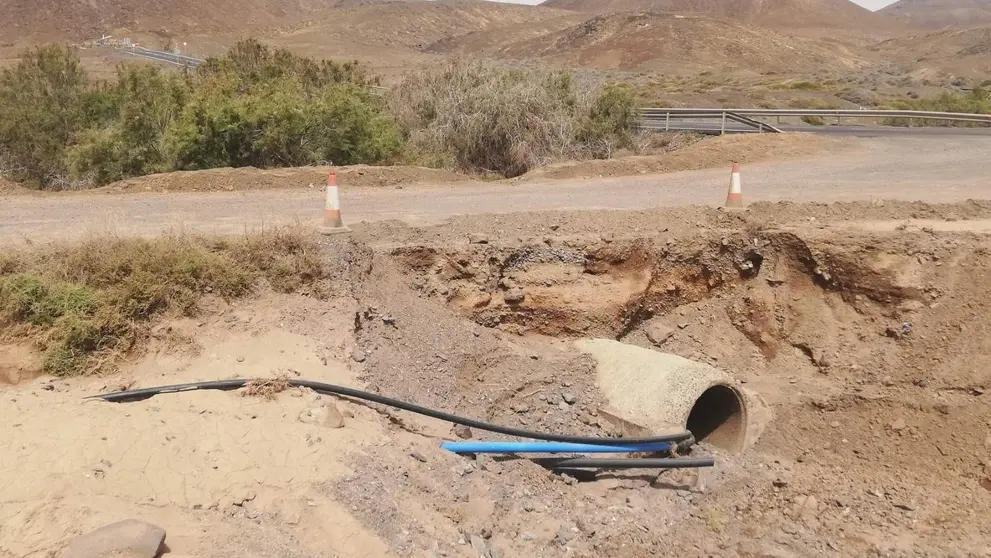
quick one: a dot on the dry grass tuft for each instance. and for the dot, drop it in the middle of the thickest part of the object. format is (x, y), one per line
(265, 388)
(87, 303)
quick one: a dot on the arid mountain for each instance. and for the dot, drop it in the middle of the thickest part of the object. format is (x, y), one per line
(941, 13)
(961, 52)
(81, 19)
(795, 14)
(661, 42)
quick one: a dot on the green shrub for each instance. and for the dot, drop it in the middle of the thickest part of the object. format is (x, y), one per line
(93, 300)
(977, 101)
(485, 119)
(40, 104)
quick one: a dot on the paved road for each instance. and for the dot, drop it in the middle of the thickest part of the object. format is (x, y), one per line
(713, 127)
(947, 170)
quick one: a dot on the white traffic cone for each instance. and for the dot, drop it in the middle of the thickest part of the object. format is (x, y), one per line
(332, 223)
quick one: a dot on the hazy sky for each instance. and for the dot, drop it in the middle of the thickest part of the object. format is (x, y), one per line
(870, 4)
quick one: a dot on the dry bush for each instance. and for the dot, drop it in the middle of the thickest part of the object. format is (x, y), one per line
(93, 300)
(480, 118)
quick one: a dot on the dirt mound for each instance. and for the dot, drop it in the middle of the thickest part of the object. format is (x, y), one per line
(788, 14)
(10, 188)
(78, 19)
(941, 13)
(703, 154)
(235, 180)
(665, 42)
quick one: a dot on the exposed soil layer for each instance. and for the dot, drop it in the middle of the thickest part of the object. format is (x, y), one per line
(864, 327)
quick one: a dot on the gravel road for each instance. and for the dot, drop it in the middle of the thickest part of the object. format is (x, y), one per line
(944, 169)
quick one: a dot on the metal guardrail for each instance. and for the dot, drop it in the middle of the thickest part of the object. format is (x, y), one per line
(688, 118)
(163, 56)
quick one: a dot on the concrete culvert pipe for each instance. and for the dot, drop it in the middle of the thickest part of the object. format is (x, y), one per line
(659, 393)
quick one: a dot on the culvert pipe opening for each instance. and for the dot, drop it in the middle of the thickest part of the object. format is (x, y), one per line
(718, 418)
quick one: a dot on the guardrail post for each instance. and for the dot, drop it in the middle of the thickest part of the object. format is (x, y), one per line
(667, 121)
(722, 130)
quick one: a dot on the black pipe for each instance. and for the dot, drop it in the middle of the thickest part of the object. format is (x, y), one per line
(558, 463)
(330, 389)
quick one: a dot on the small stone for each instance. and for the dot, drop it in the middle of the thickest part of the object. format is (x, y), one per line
(418, 456)
(658, 333)
(325, 415)
(486, 533)
(130, 537)
(478, 238)
(388, 320)
(904, 506)
(529, 506)
(683, 325)
(562, 406)
(462, 431)
(464, 469)
(527, 536)
(780, 483)
(898, 425)
(478, 545)
(834, 424)
(569, 398)
(240, 359)
(358, 355)
(564, 535)
(521, 408)
(514, 296)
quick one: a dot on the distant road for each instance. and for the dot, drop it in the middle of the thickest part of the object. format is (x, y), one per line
(904, 168)
(860, 131)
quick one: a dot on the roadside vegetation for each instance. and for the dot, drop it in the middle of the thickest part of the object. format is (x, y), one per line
(86, 304)
(976, 101)
(269, 108)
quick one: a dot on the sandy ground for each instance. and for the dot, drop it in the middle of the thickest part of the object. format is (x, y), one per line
(880, 443)
(891, 168)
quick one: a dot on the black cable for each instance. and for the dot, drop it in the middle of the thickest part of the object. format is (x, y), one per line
(558, 463)
(330, 389)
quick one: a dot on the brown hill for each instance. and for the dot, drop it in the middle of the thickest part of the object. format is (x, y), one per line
(960, 52)
(941, 13)
(785, 14)
(82, 19)
(660, 42)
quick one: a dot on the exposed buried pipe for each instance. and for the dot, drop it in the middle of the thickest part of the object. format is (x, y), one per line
(331, 389)
(661, 392)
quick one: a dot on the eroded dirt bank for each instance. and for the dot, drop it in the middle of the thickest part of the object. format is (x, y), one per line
(864, 326)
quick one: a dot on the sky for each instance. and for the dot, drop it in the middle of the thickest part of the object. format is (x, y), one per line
(869, 4)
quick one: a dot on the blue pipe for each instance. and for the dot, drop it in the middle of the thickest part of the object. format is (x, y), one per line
(549, 447)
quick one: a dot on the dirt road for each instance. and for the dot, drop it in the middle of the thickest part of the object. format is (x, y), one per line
(946, 170)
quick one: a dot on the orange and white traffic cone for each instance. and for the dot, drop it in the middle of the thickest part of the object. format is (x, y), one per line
(332, 223)
(734, 198)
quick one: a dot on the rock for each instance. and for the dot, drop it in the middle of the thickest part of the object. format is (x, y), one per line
(478, 545)
(564, 535)
(898, 425)
(325, 415)
(462, 431)
(521, 408)
(388, 320)
(569, 398)
(418, 456)
(658, 333)
(563, 406)
(131, 538)
(358, 355)
(464, 469)
(806, 507)
(514, 296)
(478, 238)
